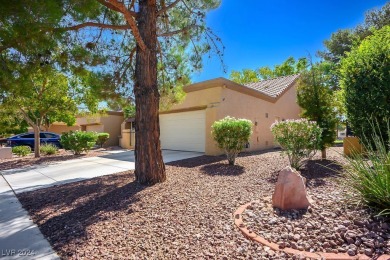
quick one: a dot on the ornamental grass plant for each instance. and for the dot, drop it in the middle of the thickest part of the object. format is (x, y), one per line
(49, 149)
(22, 150)
(368, 173)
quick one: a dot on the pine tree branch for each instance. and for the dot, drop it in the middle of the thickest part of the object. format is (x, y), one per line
(92, 24)
(167, 34)
(114, 8)
(166, 8)
(130, 20)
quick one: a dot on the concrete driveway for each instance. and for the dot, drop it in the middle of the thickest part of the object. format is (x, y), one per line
(20, 238)
(41, 176)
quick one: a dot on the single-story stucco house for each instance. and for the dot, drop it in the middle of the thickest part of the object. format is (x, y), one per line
(109, 122)
(187, 126)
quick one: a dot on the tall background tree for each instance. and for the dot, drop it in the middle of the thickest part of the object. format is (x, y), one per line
(43, 77)
(289, 67)
(316, 98)
(365, 79)
(338, 47)
(342, 41)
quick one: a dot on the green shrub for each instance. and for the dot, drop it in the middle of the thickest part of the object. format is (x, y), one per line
(102, 138)
(232, 135)
(368, 174)
(298, 138)
(78, 141)
(22, 150)
(365, 81)
(49, 149)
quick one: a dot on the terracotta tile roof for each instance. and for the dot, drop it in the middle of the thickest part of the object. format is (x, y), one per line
(273, 87)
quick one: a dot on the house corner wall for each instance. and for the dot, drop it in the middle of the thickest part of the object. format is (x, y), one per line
(262, 113)
(112, 125)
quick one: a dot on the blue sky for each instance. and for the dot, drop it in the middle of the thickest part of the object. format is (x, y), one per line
(258, 33)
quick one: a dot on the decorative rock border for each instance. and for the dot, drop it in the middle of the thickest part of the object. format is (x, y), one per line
(328, 256)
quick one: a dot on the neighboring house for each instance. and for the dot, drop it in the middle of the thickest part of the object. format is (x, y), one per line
(341, 134)
(110, 122)
(187, 126)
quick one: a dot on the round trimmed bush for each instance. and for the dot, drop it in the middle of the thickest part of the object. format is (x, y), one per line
(232, 135)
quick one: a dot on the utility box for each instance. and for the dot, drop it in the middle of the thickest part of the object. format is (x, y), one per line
(5, 152)
(352, 146)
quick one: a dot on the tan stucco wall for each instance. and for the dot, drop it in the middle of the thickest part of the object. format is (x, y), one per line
(112, 125)
(127, 139)
(88, 120)
(108, 123)
(222, 101)
(257, 110)
(59, 129)
(95, 128)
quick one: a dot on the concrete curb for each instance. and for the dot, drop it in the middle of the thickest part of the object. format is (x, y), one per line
(328, 256)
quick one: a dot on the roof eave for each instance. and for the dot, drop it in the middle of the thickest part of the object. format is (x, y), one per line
(225, 83)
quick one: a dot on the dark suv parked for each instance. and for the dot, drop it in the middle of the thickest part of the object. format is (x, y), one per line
(28, 139)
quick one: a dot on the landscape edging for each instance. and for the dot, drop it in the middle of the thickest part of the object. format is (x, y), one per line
(255, 237)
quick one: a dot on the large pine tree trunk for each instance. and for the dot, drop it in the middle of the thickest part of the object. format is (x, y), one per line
(149, 165)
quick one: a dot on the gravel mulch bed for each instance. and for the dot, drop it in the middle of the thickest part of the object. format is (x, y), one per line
(188, 216)
(62, 155)
(332, 224)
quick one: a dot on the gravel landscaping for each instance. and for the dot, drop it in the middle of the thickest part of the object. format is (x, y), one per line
(190, 215)
(330, 225)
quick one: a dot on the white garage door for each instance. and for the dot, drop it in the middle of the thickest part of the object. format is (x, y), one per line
(183, 131)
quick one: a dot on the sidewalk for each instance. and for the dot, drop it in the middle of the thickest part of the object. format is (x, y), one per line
(20, 238)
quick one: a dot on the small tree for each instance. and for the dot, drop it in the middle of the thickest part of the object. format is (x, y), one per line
(231, 135)
(102, 138)
(37, 93)
(298, 138)
(315, 96)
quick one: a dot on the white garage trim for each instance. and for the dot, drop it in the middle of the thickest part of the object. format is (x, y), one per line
(184, 131)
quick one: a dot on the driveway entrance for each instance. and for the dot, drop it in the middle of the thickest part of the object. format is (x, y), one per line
(41, 176)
